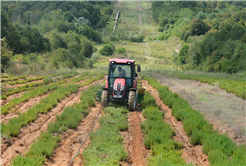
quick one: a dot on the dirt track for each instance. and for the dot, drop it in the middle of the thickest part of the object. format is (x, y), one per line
(191, 154)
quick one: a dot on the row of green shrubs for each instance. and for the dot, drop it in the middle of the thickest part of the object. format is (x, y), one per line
(230, 85)
(106, 143)
(69, 119)
(25, 87)
(7, 76)
(31, 86)
(12, 78)
(46, 104)
(26, 80)
(26, 96)
(221, 150)
(158, 136)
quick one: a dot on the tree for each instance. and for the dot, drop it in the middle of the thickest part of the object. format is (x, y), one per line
(68, 16)
(106, 50)
(183, 54)
(198, 27)
(6, 54)
(87, 47)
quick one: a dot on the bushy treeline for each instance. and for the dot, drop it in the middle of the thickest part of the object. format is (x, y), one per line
(39, 27)
(214, 33)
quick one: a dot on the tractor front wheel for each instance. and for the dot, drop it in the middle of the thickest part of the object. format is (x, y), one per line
(132, 100)
(104, 99)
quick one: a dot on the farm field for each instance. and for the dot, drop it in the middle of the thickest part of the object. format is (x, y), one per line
(186, 117)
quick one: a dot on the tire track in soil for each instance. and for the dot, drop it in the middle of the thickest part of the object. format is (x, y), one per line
(136, 148)
(15, 145)
(71, 140)
(127, 145)
(191, 154)
(23, 107)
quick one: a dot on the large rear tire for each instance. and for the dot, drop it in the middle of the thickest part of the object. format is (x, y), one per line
(104, 99)
(132, 101)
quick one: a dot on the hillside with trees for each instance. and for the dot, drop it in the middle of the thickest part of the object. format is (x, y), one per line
(61, 34)
(214, 33)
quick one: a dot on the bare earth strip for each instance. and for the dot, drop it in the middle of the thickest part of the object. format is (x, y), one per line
(191, 154)
(137, 150)
(127, 144)
(13, 146)
(71, 140)
(224, 110)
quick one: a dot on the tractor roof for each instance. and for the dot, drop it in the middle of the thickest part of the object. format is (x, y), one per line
(121, 60)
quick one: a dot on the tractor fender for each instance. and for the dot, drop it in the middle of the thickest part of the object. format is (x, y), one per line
(133, 89)
(105, 88)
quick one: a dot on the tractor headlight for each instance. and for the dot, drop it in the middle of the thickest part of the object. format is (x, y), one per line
(115, 88)
(122, 88)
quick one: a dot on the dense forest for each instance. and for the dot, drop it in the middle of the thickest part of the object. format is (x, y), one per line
(213, 33)
(62, 33)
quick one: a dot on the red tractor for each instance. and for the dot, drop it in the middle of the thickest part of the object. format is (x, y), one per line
(122, 84)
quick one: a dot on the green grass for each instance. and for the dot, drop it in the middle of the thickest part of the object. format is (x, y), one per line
(158, 137)
(70, 118)
(200, 130)
(7, 76)
(106, 146)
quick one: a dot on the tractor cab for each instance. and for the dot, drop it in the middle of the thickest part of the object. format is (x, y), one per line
(121, 83)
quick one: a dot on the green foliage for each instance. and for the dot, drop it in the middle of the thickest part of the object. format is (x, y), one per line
(121, 50)
(158, 137)
(106, 50)
(68, 16)
(90, 33)
(6, 54)
(106, 146)
(183, 54)
(136, 37)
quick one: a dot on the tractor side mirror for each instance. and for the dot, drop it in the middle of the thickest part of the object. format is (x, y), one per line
(139, 69)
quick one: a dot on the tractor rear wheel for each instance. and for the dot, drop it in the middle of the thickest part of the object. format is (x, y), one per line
(132, 100)
(104, 99)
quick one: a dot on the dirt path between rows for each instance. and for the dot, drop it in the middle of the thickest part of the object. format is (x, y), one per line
(15, 145)
(130, 145)
(71, 140)
(225, 111)
(191, 154)
(137, 150)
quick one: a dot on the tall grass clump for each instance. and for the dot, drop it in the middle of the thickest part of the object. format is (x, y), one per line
(46, 144)
(106, 146)
(200, 131)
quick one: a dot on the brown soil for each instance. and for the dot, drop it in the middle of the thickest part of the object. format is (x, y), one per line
(128, 142)
(224, 110)
(137, 150)
(23, 107)
(15, 145)
(191, 154)
(71, 140)
(11, 97)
